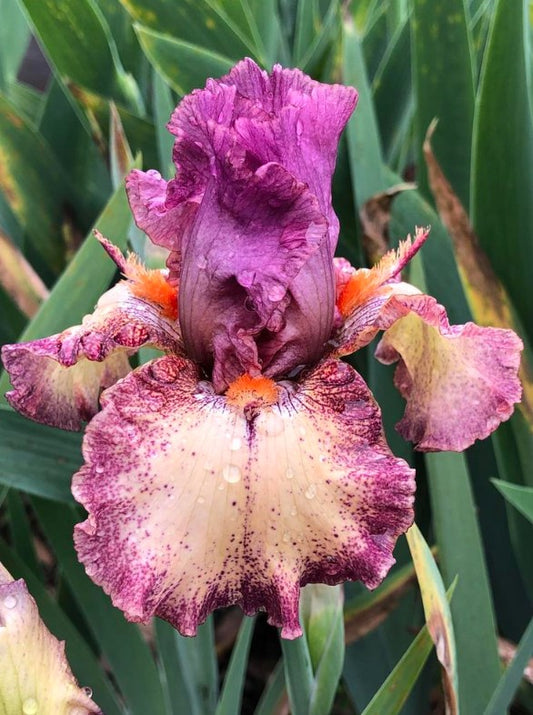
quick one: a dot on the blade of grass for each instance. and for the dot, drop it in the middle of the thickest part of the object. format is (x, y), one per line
(298, 674)
(274, 692)
(34, 186)
(92, 59)
(461, 553)
(231, 695)
(37, 459)
(163, 107)
(510, 680)
(444, 88)
(394, 692)
(183, 65)
(180, 691)
(437, 612)
(502, 157)
(520, 497)
(202, 23)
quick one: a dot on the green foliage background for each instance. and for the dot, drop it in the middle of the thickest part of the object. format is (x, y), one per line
(63, 153)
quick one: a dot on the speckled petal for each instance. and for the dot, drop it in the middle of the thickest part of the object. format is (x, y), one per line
(58, 380)
(460, 381)
(196, 503)
(35, 677)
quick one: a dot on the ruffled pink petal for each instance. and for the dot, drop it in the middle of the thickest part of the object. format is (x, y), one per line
(58, 380)
(165, 223)
(460, 381)
(35, 676)
(196, 503)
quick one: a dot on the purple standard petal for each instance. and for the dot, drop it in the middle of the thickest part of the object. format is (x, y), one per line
(251, 243)
(298, 486)
(249, 218)
(58, 380)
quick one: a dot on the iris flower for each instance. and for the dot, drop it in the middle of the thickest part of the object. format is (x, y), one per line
(250, 459)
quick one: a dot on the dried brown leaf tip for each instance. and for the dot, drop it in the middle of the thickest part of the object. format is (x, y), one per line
(375, 219)
(489, 301)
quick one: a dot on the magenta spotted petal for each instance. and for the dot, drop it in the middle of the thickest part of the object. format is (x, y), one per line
(58, 380)
(301, 490)
(460, 381)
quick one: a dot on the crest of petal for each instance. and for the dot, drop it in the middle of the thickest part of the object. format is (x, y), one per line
(58, 380)
(35, 676)
(460, 381)
(297, 491)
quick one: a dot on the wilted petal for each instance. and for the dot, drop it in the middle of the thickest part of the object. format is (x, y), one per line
(35, 678)
(460, 381)
(298, 486)
(58, 380)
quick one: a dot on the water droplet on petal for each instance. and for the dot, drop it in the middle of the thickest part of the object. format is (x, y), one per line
(276, 292)
(302, 431)
(294, 511)
(310, 492)
(289, 473)
(201, 500)
(231, 473)
(99, 469)
(201, 262)
(299, 128)
(236, 444)
(30, 706)
(10, 601)
(88, 691)
(286, 537)
(271, 424)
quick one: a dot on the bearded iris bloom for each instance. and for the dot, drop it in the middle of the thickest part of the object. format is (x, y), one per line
(249, 459)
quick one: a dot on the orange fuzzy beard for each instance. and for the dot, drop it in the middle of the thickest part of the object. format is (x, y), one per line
(152, 285)
(247, 389)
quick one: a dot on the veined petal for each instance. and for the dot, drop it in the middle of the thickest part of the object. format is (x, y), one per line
(35, 676)
(295, 490)
(58, 380)
(460, 381)
(251, 239)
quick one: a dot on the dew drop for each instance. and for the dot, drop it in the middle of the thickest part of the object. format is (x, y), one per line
(99, 469)
(30, 706)
(276, 292)
(231, 473)
(221, 487)
(10, 601)
(201, 262)
(299, 128)
(289, 473)
(201, 500)
(294, 511)
(286, 537)
(302, 431)
(271, 424)
(236, 444)
(310, 492)
(88, 691)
